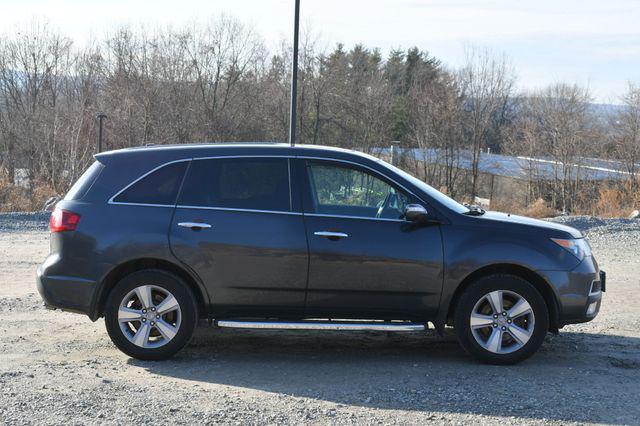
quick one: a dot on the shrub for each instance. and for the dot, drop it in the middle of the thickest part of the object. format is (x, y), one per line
(16, 198)
(613, 202)
(540, 208)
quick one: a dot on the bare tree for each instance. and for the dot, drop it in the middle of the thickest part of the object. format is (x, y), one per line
(487, 84)
(436, 129)
(33, 67)
(221, 55)
(627, 133)
(564, 130)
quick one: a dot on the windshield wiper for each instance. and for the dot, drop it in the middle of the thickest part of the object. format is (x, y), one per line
(474, 210)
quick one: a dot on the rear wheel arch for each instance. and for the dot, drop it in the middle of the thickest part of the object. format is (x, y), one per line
(511, 269)
(129, 267)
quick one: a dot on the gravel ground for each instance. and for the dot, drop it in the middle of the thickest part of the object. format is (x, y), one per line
(59, 368)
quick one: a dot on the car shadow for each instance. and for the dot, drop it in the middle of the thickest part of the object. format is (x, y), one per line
(420, 371)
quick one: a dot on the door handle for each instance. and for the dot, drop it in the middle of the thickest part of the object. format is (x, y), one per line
(194, 225)
(328, 234)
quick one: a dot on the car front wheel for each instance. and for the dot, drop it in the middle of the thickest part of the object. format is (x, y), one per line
(150, 314)
(501, 319)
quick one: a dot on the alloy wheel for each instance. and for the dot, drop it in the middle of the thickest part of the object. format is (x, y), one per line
(502, 321)
(149, 316)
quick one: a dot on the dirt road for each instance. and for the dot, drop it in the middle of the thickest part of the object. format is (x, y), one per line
(61, 368)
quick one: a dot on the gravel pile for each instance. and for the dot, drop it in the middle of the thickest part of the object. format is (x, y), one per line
(588, 223)
(605, 231)
(24, 221)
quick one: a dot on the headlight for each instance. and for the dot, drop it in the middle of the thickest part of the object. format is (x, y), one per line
(578, 247)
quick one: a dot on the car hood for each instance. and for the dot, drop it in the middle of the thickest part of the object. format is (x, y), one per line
(522, 221)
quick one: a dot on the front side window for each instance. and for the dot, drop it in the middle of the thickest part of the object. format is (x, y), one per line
(346, 191)
(159, 187)
(238, 183)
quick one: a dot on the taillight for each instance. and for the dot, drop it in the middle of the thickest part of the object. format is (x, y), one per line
(63, 220)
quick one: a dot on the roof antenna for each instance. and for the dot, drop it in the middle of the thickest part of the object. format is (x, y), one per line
(294, 77)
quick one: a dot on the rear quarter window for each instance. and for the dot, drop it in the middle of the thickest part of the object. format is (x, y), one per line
(82, 185)
(158, 187)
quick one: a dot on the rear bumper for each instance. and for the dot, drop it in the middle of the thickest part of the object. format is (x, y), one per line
(67, 293)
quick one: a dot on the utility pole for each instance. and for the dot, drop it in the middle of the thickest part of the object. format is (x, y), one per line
(294, 76)
(100, 116)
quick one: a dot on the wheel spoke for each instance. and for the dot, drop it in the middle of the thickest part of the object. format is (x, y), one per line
(494, 343)
(144, 326)
(168, 304)
(168, 331)
(521, 335)
(142, 335)
(479, 321)
(127, 314)
(520, 308)
(144, 295)
(495, 300)
(489, 330)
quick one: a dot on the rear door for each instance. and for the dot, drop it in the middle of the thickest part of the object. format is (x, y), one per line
(237, 227)
(366, 261)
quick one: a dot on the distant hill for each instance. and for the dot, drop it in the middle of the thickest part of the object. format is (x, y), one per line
(606, 111)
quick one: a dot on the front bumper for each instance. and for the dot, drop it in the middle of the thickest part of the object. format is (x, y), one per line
(595, 296)
(578, 292)
(68, 293)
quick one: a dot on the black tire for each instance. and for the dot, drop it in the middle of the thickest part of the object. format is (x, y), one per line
(475, 293)
(166, 281)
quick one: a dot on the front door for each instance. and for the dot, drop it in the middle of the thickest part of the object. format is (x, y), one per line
(236, 227)
(366, 261)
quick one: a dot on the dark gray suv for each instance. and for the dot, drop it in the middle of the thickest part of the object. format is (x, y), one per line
(155, 239)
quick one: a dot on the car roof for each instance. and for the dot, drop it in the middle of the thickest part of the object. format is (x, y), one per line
(180, 151)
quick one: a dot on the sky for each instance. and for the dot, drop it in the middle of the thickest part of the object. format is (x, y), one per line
(595, 43)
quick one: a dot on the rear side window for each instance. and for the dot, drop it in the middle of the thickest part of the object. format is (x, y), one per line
(238, 183)
(82, 185)
(158, 187)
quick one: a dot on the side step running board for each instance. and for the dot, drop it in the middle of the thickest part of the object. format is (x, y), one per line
(323, 325)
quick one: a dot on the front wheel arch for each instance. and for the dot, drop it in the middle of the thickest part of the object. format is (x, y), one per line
(511, 269)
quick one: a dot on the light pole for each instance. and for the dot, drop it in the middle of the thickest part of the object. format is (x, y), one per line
(294, 76)
(100, 116)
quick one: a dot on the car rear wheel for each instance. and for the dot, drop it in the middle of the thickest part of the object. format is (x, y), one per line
(501, 319)
(150, 314)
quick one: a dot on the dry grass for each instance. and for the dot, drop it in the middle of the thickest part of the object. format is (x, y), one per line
(610, 200)
(610, 203)
(615, 202)
(506, 205)
(540, 208)
(614, 199)
(15, 198)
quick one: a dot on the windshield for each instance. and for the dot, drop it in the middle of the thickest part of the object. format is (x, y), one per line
(438, 196)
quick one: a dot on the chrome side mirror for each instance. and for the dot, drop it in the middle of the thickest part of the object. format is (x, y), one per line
(416, 213)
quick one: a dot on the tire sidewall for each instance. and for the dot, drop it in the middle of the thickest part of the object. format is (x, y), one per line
(171, 283)
(486, 285)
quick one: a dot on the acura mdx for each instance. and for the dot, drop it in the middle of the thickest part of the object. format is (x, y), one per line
(155, 239)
